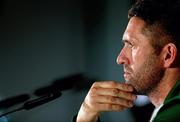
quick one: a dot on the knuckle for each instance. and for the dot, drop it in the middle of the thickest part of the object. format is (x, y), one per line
(95, 84)
(130, 96)
(123, 86)
(112, 99)
(91, 95)
(109, 106)
(94, 90)
(115, 91)
(127, 103)
(121, 92)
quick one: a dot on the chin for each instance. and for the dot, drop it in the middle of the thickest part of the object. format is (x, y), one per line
(137, 90)
(128, 81)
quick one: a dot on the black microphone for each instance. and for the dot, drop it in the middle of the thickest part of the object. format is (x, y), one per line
(8, 102)
(61, 84)
(36, 102)
(41, 100)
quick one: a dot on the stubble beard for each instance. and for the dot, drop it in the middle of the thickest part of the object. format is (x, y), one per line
(147, 78)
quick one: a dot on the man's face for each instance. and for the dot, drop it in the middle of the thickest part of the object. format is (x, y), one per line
(142, 66)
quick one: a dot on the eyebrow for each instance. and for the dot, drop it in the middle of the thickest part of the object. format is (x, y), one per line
(125, 40)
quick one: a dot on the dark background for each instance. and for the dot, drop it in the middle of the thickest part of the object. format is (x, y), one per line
(45, 40)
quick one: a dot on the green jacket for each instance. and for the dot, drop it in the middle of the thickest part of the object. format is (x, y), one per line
(170, 111)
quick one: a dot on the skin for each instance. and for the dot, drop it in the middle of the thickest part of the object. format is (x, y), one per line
(138, 58)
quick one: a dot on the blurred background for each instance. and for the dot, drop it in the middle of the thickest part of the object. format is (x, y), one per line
(69, 43)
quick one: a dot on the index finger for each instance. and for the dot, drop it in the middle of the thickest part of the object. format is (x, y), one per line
(113, 84)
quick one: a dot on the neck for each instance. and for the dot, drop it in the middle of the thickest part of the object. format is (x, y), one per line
(158, 94)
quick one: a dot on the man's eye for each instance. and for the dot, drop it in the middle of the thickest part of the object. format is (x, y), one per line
(128, 44)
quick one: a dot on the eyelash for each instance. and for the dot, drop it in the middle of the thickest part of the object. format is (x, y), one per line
(128, 44)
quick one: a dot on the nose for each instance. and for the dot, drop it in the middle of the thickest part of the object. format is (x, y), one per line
(122, 58)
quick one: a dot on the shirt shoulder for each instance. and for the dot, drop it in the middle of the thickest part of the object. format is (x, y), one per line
(169, 111)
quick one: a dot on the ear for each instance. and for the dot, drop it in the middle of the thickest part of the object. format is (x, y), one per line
(169, 55)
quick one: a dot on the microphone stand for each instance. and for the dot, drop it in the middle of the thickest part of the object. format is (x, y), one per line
(36, 102)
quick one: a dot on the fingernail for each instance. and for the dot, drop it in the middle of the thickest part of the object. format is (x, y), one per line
(134, 97)
(131, 104)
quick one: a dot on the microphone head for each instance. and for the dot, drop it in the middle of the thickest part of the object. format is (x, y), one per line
(61, 84)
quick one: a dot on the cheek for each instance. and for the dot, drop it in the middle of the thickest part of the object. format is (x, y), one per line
(137, 58)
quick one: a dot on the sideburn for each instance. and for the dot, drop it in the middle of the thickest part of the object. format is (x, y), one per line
(157, 37)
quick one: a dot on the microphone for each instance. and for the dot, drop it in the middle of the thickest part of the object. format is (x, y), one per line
(8, 102)
(36, 102)
(61, 84)
(41, 100)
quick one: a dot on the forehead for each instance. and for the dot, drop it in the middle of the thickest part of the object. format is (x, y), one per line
(134, 29)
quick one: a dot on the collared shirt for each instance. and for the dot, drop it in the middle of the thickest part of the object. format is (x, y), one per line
(169, 111)
(155, 112)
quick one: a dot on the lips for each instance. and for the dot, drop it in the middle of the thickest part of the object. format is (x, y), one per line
(127, 72)
(126, 75)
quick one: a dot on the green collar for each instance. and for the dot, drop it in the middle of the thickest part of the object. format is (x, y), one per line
(173, 94)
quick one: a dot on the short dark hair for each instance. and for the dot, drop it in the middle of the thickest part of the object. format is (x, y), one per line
(160, 16)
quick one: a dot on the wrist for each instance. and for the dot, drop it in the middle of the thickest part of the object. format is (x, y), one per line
(85, 114)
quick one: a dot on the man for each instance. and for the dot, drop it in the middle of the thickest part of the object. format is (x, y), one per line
(151, 62)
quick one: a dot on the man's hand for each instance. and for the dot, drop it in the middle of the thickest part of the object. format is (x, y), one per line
(105, 96)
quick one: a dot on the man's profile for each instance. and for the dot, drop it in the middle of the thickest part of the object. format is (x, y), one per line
(151, 62)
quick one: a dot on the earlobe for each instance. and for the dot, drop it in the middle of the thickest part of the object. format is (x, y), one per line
(170, 53)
